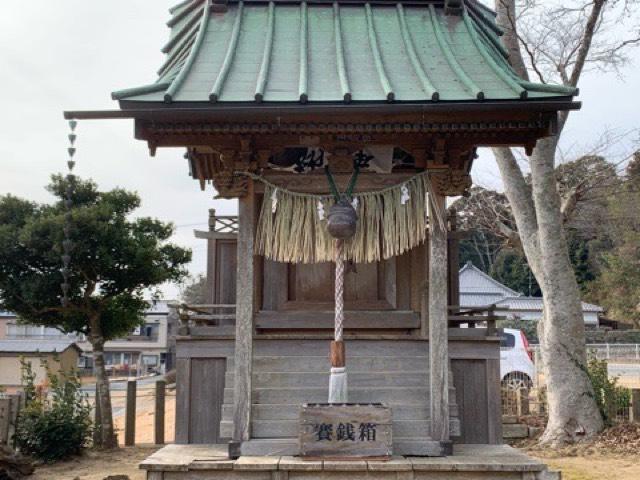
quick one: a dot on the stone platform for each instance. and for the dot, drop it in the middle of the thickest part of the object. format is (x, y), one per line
(469, 462)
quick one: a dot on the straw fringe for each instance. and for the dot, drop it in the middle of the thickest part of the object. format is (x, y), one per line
(386, 228)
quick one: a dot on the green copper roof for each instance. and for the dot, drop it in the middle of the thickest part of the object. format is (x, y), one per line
(259, 51)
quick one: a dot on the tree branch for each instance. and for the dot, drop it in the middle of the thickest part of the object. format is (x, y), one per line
(587, 40)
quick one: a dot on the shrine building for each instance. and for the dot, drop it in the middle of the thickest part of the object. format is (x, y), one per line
(288, 106)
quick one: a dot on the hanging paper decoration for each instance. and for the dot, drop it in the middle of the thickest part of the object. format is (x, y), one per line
(405, 196)
(320, 210)
(67, 244)
(274, 201)
(297, 231)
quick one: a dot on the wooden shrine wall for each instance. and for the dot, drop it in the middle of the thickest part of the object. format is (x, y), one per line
(386, 294)
(200, 388)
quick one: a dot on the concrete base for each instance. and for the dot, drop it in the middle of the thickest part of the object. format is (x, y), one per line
(411, 447)
(468, 462)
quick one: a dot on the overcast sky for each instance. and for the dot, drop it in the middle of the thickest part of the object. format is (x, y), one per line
(70, 54)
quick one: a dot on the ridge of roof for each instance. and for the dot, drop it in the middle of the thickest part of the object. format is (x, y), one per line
(217, 29)
(587, 307)
(37, 346)
(469, 266)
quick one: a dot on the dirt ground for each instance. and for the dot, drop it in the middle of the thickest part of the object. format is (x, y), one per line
(613, 455)
(596, 467)
(97, 465)
(145, 419)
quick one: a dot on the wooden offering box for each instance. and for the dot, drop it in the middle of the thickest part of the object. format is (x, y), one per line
(345, 431)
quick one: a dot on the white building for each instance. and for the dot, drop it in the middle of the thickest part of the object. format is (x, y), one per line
(477, 289)
(144, 349)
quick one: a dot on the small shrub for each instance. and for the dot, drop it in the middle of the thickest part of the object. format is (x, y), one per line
(609, 396)
(54, 424)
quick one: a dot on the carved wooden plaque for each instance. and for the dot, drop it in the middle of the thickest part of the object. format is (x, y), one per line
(345, 431)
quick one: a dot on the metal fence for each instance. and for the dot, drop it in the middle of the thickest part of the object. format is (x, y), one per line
(528, 397)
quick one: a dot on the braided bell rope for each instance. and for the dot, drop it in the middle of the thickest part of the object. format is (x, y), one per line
(339, 320)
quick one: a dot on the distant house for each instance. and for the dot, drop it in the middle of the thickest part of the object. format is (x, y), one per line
(144, 349)
(477, 289)
(60, 355)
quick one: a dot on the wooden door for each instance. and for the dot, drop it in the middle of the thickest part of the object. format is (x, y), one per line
(206, 392)
(312, 287)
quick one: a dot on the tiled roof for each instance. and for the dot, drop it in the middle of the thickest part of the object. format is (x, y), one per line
(35, 346)
(477, 289)
(386, 51)
(535, 303)
(478, 299)
(473, 280)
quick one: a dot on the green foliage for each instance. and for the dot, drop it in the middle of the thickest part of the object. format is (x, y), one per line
(54, 424)
(511, 269)
(618, 287)
(613, 336)
(609, 396)
(581, 259)
(113, 261)
(589, 188)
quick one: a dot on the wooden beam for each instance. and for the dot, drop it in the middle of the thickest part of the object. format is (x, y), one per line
(438, 326)
(244, 318)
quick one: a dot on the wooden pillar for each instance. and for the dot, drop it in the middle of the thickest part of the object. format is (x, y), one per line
(159, 412)
(438, 328)
(453, 259)
(130, 414)
(245, 296)
(211, 260)
(635, 405)
(424, 310)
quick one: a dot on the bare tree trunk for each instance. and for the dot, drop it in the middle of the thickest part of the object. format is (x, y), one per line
(106, 435)
(573, 412)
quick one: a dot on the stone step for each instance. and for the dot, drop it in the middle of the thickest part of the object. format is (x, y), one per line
(321, 379)
(320, 363)
(418, 447)
(291, 428)
(388, 395)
